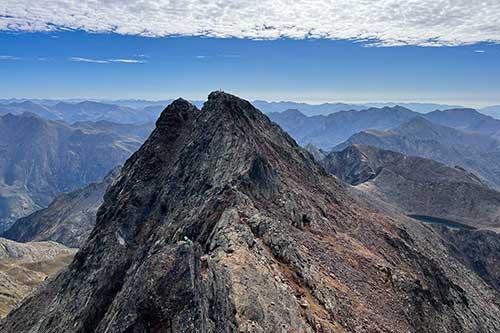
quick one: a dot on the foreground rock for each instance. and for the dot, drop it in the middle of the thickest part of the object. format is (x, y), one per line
(68, 220)
(23, 267)
(222, 223)
(417, 185)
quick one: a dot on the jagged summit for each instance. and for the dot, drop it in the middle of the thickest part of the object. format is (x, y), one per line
(222, 223)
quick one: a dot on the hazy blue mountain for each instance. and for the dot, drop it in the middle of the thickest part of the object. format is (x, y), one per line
(469, 120)
(307, 109)
(41, 158)
(96, 111)
(417, 107)
(28, 106)
(325, 132)
(493, 111)
(476, 153)
(68, 220)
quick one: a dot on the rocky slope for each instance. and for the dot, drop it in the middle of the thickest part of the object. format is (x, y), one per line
(68, 220)
(478, 249)
(39, 159)
(23, 267)
(222, 223)
(477, 153)
(417, 185)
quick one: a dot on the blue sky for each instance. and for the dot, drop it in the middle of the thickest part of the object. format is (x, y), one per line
(299, 62)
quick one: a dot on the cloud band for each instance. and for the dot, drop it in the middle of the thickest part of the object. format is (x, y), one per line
(380, 22)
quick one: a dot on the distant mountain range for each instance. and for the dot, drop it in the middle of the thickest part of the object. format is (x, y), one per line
(475, 152)
(325, 132)
(418, 186)
(85, 111)
(493, 111)
(328, 131)
(40, 158)
(68, 220)
(265, 106)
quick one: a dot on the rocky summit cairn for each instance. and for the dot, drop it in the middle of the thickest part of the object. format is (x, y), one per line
(222, 223)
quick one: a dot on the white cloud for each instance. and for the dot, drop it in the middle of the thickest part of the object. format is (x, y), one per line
(128, 61)
(8, 57)
(94, 61)
(480, 51)
(380, 22)
(107, 61)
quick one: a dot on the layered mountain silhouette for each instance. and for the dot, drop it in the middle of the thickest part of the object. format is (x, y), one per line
(68, 220)
(477, 153)
(84, 111)
(418, 186)
(39, 159)
(326, 132)
(222, 223)
(468, 120)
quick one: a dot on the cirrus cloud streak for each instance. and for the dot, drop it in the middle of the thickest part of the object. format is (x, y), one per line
(379, 22)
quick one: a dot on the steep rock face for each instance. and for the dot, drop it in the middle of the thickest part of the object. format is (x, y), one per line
(417, 185)
(68, 220)
(25, 266)
(39, 159)
(222, 223)
(479, 154)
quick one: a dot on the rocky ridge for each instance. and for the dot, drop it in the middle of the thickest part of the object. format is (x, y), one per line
(222, 223)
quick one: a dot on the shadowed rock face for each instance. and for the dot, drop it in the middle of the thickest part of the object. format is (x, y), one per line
(417, 185)
(68, 220)
(221, 223)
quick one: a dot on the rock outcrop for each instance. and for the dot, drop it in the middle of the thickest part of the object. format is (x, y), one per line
(222, 223)
(68, 220)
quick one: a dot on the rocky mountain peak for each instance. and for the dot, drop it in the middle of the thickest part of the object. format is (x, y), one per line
(220, 222)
